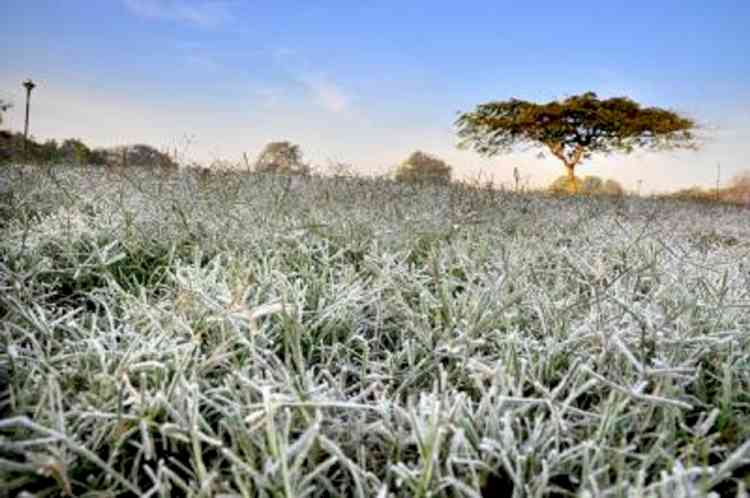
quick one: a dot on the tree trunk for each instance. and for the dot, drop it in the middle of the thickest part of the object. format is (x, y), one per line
(571, 168)
(558, 150)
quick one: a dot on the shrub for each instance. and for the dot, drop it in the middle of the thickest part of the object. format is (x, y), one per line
(694, 194)
(590, 185)
(565, 185)
(612, 187)
(739, 188)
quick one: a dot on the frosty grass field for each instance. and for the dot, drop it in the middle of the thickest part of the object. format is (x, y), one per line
(246, 335)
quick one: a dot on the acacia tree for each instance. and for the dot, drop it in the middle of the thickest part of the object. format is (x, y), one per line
(573, 129)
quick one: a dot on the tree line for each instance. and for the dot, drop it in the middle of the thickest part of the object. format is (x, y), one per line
(14, 149)
(572, 130)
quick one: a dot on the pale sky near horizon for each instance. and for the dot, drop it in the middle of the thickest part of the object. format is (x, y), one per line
(369, 82)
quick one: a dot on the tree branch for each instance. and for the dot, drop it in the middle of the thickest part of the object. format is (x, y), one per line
(577, 155)
(558, 150)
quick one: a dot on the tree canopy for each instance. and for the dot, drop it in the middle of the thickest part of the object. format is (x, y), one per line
(422, 167)
(573, 129)
(282, 158)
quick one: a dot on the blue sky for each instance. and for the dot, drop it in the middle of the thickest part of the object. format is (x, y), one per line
(369, 82)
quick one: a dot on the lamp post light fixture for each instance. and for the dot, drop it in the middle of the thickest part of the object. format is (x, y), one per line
(29, 86)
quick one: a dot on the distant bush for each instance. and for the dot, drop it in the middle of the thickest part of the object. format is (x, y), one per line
(284, 158)
(739, 188)
(590, 185)
(693, 193)
(741, 180)
(565, 185)
(421, 167)
(738, 192)
(612, 187)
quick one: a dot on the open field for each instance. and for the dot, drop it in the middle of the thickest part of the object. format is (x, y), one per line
(250, 335)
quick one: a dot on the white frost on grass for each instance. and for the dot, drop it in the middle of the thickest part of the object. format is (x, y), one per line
(234, 336)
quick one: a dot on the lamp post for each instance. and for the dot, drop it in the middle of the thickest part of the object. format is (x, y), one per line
(29, 85)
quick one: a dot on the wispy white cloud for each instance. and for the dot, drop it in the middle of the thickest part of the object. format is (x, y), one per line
(208, 14)
(300, 71)
(327, 94)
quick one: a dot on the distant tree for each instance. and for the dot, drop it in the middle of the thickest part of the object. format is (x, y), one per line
(73, 150)
(133, 155)
(146, 155)
(98, 157)
(4, 106)
(421, 167)
(69, 151)
(282, 158)
(573, 129)
(47, 152)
